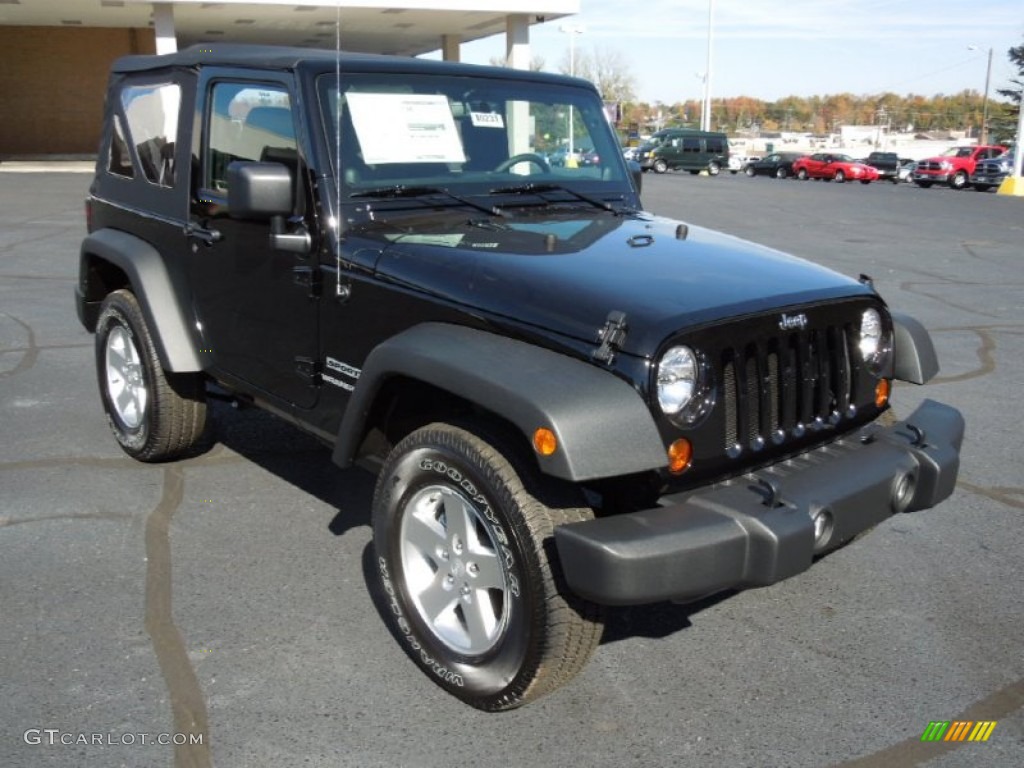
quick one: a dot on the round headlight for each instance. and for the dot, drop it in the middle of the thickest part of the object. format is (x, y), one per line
(677, 379)
(874, 346)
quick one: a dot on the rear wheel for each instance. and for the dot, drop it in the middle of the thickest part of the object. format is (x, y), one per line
(749, 170)
(781, 173)
(154, 415)
(802, 174)
(714, 168)
(462, 529)
(840, 177)
(865, 181)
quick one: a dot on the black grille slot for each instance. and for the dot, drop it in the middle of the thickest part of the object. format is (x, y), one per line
(777, 389)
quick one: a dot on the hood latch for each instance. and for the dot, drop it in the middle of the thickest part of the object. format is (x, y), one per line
(611, 335)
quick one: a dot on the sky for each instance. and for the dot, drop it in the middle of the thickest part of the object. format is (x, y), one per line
(769, 49)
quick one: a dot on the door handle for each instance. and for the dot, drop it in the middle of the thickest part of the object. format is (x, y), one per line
(203, 235)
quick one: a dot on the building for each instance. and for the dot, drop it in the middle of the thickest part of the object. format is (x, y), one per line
(55, 54)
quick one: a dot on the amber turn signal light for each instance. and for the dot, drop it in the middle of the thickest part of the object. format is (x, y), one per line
(680, 454)
(882, 392)
(544, 441)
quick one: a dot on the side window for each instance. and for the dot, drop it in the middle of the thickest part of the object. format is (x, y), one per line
(691, 145)
(716, 146)
(248, 121)
(152, 116)
(119, 161)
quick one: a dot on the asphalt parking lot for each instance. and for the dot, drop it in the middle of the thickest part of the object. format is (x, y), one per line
(226, 595)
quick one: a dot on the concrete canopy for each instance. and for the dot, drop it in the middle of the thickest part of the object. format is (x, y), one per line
(401, 27)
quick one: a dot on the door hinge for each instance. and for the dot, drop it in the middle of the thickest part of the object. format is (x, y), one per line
(308, 370)
(611, 335)
(308, 278)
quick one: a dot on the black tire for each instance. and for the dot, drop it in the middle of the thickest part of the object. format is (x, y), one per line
(154, 415)
(923, 184)
(982, 187)
(518, 633)
(840, 177)
(781, 173)
(660, 166)
(958, 180)
(749, 170)
(865, 181)
(802, 174)
(714, 168)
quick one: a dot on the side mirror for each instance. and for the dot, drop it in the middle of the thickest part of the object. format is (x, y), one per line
(259, 190)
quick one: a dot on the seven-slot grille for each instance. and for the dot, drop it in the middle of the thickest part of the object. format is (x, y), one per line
(778, 388)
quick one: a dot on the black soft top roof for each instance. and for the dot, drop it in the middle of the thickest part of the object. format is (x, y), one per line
(275, 57)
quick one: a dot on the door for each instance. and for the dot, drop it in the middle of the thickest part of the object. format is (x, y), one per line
(253, 302)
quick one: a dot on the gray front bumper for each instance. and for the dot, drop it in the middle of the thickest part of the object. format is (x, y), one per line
(758, 529)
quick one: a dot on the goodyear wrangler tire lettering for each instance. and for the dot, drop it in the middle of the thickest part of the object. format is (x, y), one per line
(460, 520)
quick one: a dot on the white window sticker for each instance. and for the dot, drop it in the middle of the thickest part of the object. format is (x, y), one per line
(486, 119)
(405, 128)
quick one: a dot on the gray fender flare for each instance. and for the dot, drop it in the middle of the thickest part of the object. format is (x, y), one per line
(603, 427)
(151, 283)
(916, 360)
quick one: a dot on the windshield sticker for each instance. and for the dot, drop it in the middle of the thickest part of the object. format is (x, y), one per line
(486, 120)
(449, 241)
(405, 128)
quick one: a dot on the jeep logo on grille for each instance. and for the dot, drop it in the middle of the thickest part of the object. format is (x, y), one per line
(789, 322)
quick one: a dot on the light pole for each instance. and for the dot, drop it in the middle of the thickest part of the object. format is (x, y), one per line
(705, 120)
(984, 98)
(570, 159)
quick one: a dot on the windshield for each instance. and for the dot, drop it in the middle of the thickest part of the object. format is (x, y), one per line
(957, 152)
(467, 134)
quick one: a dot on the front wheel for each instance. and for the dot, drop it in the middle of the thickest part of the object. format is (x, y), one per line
(802, 174)
(781, 173)
(154, 415)
(982, 187)
(923, 184)
(840, 177)
(959, 180)
(660, 166)
(462, 531)
(749, 170)
(865, 181)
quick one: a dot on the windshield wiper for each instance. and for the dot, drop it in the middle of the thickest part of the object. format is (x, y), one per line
(397, 191)
(540, 189)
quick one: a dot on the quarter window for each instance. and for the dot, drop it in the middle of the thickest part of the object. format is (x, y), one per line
(151, 112)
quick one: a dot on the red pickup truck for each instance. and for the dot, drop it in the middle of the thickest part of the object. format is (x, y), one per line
(954, 166)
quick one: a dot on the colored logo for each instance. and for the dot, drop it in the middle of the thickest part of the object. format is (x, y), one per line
(959, 730)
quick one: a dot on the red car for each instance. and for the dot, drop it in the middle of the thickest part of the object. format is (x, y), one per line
(828, 166)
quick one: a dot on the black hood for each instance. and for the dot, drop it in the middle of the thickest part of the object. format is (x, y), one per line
(565, 271)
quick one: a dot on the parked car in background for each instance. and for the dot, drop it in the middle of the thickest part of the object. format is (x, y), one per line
(829, 166)
(738, 162)
(954, 166)
(778, 164)
(906, 171)
(630, 153)
(886, 163)
(685, 149)
(990, 173)
(562, 157)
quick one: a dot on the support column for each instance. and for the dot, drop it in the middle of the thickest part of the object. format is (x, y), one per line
(517, 41)
(163, 26)
(450, 47)
(517, 56)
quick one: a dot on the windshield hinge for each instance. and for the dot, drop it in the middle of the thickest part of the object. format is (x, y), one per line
(611, 335)
(308, 370)
(308, 278)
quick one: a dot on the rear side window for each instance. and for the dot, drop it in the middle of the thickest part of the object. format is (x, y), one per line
(248, 121)
(717, 146)
(151, 112)
(119, 161)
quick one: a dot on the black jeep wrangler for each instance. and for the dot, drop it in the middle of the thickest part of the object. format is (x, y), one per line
(571, 403)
